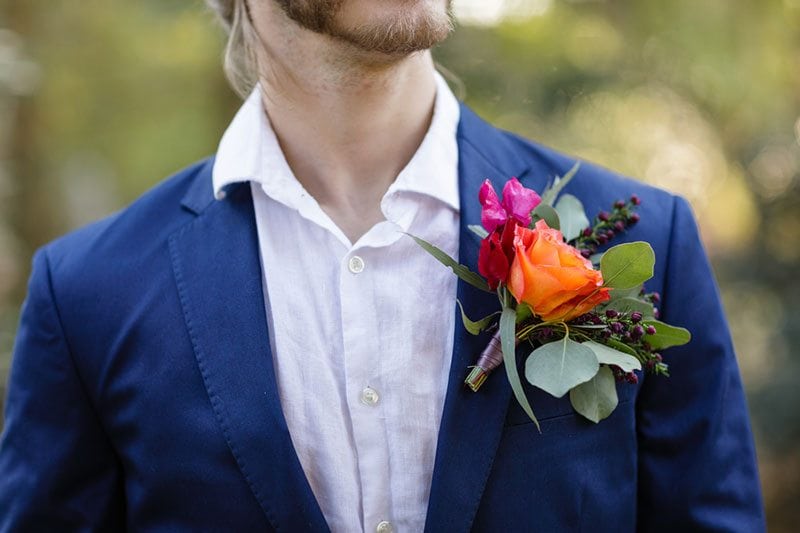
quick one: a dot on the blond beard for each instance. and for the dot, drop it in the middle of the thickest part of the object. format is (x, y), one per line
(399, 36)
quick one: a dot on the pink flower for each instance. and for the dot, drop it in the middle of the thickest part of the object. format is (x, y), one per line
(518, 202)
(496, 254)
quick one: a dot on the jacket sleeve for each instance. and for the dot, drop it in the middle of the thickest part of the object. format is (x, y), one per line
(697, 467)
(58, 471)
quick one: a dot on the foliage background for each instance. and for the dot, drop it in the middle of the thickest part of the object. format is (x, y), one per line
(101, 99)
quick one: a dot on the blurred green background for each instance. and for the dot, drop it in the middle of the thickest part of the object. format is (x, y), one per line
(101, 99)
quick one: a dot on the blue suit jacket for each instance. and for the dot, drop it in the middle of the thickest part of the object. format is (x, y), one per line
(142, 393)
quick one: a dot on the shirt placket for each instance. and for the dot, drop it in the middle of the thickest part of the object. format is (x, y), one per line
(366, 394)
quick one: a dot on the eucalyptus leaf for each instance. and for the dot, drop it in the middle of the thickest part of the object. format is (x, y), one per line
(551, 193)
(547, 213)
(475, 327)
(620, 346)
(508, 343)
(571, 216)
(459, 270)
(628, 265)
(633, 292)
(631, 305)
(597, 398)
(558, 366)
(478, 230)
(666, 336)
(609, 356)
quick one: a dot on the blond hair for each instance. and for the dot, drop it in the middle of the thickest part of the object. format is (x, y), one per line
(240, 62)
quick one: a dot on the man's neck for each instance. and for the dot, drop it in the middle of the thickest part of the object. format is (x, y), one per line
(347, 124)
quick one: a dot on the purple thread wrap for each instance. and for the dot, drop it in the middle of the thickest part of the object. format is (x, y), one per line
(492, 355)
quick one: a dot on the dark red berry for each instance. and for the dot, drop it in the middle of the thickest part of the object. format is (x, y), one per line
(655, 297)
(611, 313)
(602, 239)
(619, 226)
(637, 332)
(586, 253)
(616, 327)
(635, 200)
(651, 330)
(633, 219)
(619, 204)
(636, 316)
(587, 232)
(603, 216)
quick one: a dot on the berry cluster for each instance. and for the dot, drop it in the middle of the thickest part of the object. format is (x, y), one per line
(607, 225)
(626, 332)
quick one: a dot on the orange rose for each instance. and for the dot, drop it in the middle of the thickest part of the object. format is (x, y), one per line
(551, 276)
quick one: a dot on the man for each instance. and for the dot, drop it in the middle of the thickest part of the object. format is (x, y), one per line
(254, 345)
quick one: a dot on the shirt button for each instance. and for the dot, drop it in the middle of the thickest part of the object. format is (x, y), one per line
(384, 527)
(355, 264)
(369, 396)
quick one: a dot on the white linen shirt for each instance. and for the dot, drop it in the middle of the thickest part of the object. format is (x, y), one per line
(361, 333)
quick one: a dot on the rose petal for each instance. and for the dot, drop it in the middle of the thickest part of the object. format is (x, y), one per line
(551, 276)
(492, 261)
(493, 214)
(519, 201)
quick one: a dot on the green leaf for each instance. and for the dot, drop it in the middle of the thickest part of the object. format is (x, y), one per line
(666, 335)
(630, 305)
(478, 230)
(558, 366)
(597, 398)
(524, 312)
(572, 216)
(476, 327)
(508, 343)
(626, 266)
(551, 193)
(609, 356)
(620, 346)
(633, 292)
(546, 213)
(459, 270)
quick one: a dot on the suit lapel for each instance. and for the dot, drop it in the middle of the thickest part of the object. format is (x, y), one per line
(472, 423)
(217, 268)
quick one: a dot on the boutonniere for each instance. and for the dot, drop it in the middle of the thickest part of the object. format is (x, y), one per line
(584, 316)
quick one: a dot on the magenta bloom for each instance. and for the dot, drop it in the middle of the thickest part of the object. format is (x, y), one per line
(518, 202)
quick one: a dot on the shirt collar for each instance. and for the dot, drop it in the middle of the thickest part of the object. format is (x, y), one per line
(249, 150)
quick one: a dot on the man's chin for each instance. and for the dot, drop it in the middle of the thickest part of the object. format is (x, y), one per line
(393, 30)
(392, 41)
(399, 37)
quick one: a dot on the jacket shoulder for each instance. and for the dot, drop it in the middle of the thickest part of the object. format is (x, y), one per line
(145, 222)
(591, 177)
(539, 165)
(597, 188)
(102, 258)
